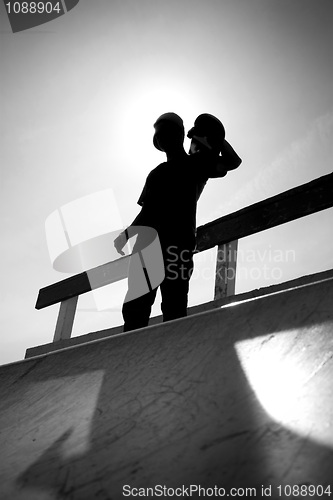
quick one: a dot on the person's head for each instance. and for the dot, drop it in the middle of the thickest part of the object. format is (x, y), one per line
(169, 133)
(208, 133)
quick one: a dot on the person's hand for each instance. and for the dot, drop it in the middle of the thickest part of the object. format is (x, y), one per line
(199, 144)
(120, 242)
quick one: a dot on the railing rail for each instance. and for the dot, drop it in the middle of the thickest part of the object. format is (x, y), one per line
(224, 232)
(290, 205)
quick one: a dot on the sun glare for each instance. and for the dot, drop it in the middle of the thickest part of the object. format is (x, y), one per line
(139, 112)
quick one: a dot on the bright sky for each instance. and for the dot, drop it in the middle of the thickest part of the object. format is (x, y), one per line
(79, 97)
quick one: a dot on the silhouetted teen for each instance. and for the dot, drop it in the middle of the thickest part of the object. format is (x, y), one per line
(169, 202)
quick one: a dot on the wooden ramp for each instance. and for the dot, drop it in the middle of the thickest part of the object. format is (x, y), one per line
(240, 397)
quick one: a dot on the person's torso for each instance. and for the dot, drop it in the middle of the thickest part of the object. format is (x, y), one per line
(170, 198)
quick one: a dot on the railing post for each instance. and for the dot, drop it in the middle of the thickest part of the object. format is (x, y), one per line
(225, 276)
(65, 319)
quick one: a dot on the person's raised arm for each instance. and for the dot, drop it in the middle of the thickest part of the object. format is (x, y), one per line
(228, 160)
(208, 137)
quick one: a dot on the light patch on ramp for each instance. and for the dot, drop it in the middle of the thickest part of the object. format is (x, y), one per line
(280, 370)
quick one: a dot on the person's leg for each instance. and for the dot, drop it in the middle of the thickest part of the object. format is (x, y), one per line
(136, 312)
(140, 296)
(175, 287)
